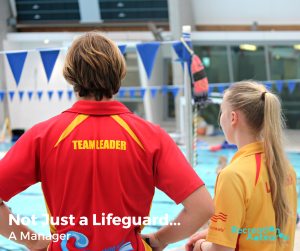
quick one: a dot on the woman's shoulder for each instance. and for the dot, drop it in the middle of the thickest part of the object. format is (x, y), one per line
(243, 169)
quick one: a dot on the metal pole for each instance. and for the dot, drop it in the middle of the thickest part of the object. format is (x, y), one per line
(188, 116)
(186, 33)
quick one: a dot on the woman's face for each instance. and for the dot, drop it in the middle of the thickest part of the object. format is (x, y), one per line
(226, 119)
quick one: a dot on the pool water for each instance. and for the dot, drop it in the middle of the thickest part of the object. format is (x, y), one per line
(31, 202)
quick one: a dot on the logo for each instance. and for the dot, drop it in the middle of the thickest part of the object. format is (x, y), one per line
(263, 234)
(81, 240)
(220, 216)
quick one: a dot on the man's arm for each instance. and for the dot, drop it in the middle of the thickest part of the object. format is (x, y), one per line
(6, 230)
(198, 209)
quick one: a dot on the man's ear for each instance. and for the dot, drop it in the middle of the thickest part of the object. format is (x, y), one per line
(234, 118)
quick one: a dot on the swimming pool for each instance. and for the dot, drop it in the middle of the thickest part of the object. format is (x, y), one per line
(31, 201)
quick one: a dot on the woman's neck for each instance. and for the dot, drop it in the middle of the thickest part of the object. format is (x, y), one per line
(245, 138)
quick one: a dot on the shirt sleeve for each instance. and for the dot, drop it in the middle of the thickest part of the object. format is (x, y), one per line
(230, 209)
(19, 168)
(173, 174)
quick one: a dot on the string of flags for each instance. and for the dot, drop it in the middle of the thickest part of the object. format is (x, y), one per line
(139, 92)
(147, 52)
(39, 94)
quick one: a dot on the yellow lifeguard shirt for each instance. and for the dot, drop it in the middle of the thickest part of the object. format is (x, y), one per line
(244, 218)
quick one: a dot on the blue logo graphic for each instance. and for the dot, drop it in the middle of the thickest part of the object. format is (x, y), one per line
(81, 240)
(264, 233)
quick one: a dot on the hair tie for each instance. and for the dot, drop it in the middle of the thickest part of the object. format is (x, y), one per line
(263, 95)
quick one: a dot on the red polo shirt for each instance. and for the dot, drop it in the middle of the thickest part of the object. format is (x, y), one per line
(97, 158)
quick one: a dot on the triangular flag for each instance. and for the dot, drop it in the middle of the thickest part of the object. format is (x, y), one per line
(185, 53)
(29, 94)
(268, 85)
(210, 89)
(178, 48)
(121, 92)
(221, 88)
(70, 92)
(142, 91)
(291, 85)
(50, 94)
(49, 59)
(40, 93)
(60, 93)
(122, 48)
(153, 91)
(175, 91)
(279, 85)
(2, 93)
(16, 62)
(132, 92)
(164, 90)
(21, 95)
(11, 94)
(148, 52)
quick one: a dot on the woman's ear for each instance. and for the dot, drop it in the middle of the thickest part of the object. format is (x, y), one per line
(234, 118)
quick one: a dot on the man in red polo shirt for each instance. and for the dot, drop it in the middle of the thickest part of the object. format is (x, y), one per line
(99, 164)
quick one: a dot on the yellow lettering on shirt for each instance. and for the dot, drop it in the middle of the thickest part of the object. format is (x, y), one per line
(118, 144)
(123, 145)
(106, 145)
(74, 142)
(85, 144)
(112, 144)
(91, 144)
(99, 144)
(80, 144)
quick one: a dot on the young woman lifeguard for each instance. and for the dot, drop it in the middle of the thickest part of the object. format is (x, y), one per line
(255, 195)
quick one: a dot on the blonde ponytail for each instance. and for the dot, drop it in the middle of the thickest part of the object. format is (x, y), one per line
(276, 159)
(264, 116)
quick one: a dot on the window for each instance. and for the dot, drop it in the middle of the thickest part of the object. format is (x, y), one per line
(249, 64)
(215, 61)
(284, 62)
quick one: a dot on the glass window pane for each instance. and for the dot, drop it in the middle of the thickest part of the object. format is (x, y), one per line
(248, 64)
(215, 62)
(284, 62)
(290, 105)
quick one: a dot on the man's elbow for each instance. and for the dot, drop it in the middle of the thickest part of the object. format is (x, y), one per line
(200, 204)
(210, 209)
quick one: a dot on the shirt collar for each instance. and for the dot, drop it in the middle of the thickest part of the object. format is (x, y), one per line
(98, 107)
(250, 149)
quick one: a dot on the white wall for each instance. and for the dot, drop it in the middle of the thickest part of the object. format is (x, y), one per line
(242, 12)
(25, 113)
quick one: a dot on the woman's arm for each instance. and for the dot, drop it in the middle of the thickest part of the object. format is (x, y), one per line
(14, 231)
(189, 246)
(208, 246)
